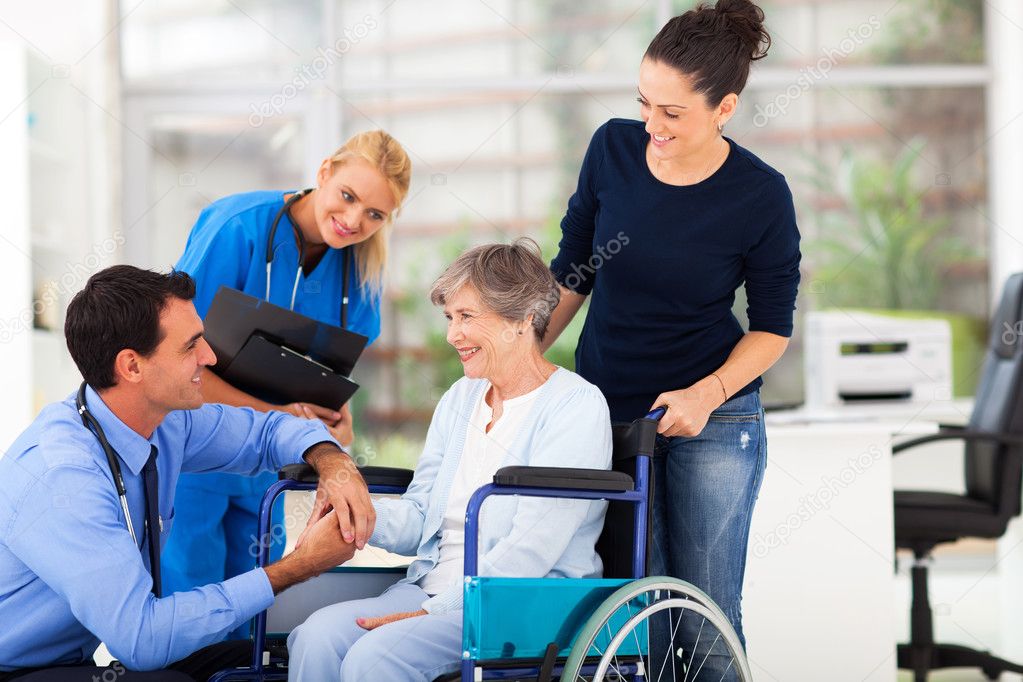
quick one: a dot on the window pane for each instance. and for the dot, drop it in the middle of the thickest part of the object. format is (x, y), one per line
(223, 40)
(872, 31)
(199, 158)
(891, 205)
(449, 39)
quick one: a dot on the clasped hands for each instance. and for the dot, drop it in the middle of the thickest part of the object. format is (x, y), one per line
(343, 503)
(338, 422)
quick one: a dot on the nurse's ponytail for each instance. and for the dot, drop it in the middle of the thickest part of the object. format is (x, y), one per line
(384, 153)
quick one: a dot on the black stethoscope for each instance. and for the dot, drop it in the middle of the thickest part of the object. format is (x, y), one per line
(301, 256)
(112, 458)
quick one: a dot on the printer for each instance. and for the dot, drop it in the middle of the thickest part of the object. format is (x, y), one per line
(852, 356)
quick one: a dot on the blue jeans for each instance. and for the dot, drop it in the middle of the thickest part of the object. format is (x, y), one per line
(704, 491)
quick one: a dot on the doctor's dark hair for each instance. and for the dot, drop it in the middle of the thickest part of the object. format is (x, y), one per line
(713, 46)
(119, 308)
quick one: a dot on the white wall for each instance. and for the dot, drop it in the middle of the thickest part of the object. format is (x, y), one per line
(59, 72)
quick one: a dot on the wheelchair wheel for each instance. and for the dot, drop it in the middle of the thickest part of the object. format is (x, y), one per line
(709, 649)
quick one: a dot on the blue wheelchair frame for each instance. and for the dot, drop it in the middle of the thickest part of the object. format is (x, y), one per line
(638, 495)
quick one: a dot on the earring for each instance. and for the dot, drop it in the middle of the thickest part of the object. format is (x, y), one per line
(721, 127)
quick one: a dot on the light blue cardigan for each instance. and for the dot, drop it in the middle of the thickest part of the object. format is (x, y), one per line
(568, 426)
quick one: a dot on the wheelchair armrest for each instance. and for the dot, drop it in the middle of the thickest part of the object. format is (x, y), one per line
(558, 477)
(303, 473)
(387, 476)
(961, 434)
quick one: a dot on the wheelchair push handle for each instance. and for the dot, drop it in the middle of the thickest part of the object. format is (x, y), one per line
(656, 413)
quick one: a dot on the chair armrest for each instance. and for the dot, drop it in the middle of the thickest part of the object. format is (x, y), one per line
(961, 434)
(303, 473)
(560, 477)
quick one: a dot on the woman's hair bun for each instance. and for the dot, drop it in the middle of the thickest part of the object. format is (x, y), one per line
(713, 46)
(746, 20)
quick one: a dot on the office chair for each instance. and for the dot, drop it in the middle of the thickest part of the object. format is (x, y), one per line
(993, 449)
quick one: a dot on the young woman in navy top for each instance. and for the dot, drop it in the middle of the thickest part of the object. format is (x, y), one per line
(670, 217)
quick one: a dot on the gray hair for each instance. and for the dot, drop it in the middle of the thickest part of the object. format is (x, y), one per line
(510, 279)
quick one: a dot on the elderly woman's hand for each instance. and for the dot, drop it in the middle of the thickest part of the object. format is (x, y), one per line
(374, 623)
(689, 408)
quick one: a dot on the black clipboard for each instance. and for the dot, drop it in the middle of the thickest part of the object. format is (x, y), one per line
(278, 355)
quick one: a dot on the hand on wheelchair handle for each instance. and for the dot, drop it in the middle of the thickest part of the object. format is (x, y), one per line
(374, 623)
(688, 409)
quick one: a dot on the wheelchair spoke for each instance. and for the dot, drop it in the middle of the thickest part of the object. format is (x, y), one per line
(707, 655)
(614, 663)
(724, 672)
(639, 649)
(681, 615)
(693, 652)
(614, 657)
(673, 630)
(645, 608)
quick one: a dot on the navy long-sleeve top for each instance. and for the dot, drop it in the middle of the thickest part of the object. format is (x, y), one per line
(661, 264)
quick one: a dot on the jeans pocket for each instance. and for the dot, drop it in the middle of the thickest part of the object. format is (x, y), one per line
(735, 418)
(742, 409)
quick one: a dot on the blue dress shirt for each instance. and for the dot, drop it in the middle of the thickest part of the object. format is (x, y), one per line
(70, 574)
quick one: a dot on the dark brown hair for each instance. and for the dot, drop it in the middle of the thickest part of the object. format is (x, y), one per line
(119, 308)
(713, 46)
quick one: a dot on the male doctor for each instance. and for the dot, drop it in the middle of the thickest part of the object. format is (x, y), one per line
(72, 574)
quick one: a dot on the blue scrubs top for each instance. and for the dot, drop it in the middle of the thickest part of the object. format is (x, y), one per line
(227, 246)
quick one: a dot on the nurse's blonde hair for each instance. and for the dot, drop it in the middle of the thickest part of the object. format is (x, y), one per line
(383, 152)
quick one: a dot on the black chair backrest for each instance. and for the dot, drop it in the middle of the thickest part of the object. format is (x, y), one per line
(993, 470)
(617, 539)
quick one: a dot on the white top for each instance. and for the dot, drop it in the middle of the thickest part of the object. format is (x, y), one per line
(483, 455)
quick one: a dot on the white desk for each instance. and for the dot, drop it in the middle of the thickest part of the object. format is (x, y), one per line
(819, 596)
(819, 599)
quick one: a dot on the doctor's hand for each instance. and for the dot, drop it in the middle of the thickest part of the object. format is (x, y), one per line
(374, 623)
(323, 549)
(689, 408)
(342, 489)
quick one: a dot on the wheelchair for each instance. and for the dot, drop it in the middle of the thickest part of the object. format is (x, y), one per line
(544, 629)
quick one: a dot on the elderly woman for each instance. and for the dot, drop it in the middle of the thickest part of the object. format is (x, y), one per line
(512, 407)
